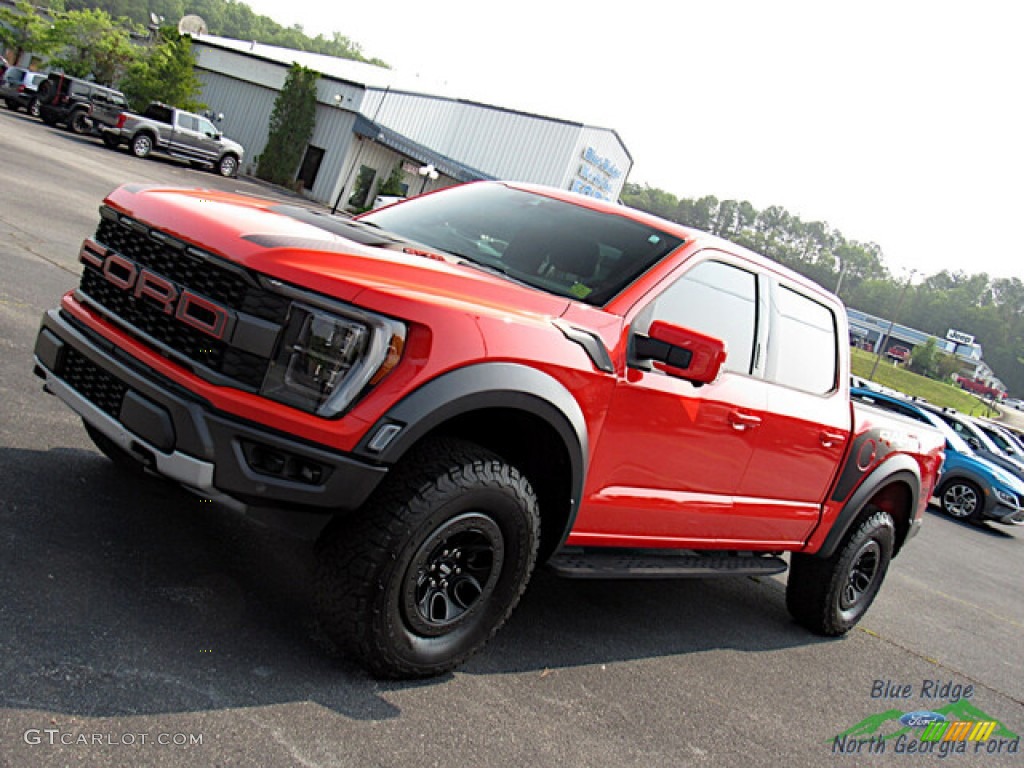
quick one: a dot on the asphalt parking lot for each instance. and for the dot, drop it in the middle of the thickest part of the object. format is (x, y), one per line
(141, 626)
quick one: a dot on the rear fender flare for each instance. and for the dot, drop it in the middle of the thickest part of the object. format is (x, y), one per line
(898, 469)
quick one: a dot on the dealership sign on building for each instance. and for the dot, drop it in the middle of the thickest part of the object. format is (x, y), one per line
(959, 338)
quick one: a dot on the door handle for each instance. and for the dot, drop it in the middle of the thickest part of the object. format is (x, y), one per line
(743, 421)
(828, 439)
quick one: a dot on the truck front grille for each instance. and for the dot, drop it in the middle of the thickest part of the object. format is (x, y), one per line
(189, 270)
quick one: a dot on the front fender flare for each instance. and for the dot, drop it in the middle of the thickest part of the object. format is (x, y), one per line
(508, 386)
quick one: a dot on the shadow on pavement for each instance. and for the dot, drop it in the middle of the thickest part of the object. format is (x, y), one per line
(126, 595)
(987, 527)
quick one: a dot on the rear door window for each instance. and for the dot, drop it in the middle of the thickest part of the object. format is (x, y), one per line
(802, 343)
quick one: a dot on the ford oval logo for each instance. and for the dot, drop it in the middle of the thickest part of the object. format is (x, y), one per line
(921, 718)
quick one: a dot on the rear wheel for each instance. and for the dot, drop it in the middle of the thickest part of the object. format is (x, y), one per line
(142, 145)
(109, 141)
(961, 499)
(11, 105)
(425, 574)
(33, 107)
(830, 595)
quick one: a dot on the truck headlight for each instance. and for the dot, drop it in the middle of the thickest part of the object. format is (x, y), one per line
(326, 357)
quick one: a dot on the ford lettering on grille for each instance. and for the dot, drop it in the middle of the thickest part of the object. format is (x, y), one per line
(144, 284)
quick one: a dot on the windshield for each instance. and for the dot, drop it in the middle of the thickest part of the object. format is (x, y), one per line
(956, 442)
(969, 432)
(549, 244)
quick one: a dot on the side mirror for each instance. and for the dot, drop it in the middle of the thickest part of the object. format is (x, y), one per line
(681, 352)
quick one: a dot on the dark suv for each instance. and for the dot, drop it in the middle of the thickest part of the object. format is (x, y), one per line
(68, 100)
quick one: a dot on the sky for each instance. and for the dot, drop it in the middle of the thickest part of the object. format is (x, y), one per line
(897, 122)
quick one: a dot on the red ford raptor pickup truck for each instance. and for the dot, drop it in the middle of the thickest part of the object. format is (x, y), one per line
(471, 384)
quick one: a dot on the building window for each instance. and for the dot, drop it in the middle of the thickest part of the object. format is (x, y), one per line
(361, 189)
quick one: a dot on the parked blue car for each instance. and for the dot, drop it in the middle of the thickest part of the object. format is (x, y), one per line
(970, 487)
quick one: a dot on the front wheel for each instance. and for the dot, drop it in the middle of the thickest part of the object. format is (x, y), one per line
(961, 499)
(227, 166)
(33, 107)
(830, 595)
(422, 578)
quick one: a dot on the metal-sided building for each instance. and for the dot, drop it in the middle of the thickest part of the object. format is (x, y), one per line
(369, 120)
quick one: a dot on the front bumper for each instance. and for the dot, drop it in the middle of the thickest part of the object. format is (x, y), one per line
(179, 436)
(1005, 514)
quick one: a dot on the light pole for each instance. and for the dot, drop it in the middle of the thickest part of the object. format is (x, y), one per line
(427, 172)
(842, 272)
(892, 322)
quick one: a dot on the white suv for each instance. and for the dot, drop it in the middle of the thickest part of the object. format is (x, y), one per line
(18, 89)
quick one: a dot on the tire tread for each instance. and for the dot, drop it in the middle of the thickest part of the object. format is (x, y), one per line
(813, 580)
(355, 553)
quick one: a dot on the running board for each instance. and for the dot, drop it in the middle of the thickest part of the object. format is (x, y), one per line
(650, 564)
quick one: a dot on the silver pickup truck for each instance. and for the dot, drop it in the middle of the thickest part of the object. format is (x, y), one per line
(186, 136)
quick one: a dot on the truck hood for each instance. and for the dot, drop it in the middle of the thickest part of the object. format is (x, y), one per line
(334, 256)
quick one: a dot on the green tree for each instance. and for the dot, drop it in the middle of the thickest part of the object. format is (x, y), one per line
(165, 72)
(229, 18)
(91, 44)
(946, 366)
(291, 125)
(650, 199)
(924, 359)
(24, 30)
(700, 214)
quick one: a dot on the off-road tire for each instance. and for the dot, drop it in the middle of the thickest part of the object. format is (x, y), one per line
(961, 499)
(110, 142)
(433, 565)
(46, 91)
(142, 145)
(830, 595)
(79, 122)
